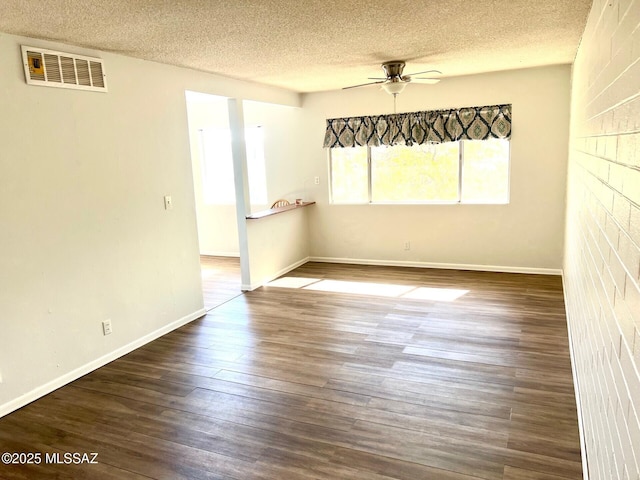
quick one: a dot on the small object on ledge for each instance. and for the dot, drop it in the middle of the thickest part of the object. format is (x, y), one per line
(298, 201)
(281, 202)
(274, 211)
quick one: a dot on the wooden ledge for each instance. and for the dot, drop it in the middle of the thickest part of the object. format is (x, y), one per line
(275, 211)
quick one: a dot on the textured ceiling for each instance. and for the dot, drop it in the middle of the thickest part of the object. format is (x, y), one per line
(312, 45)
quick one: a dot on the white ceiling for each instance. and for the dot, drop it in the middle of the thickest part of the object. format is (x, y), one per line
(312, 45)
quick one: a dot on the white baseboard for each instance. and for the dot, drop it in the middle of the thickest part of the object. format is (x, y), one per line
(282, 271)
(69, 377)
(447, 266)
(576, 390)
(211, 253)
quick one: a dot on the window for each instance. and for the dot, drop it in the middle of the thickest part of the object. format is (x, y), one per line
(468, 171)
(217, 166)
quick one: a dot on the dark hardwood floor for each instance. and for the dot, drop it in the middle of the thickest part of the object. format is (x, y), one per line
(220, 279)
(284, 383)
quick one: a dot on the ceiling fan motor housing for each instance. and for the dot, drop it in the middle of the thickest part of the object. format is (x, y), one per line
(394, 82)
(393, 70)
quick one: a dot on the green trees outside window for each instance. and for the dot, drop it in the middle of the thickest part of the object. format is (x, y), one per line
(469, 171)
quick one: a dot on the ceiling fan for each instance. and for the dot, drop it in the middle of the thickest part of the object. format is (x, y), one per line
(394, 82)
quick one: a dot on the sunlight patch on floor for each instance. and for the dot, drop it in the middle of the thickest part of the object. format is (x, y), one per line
(209, 272)
(369, 288)
(436, 294)
(292, 282)
(361, 288)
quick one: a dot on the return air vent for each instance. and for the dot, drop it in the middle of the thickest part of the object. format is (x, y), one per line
(63, 70)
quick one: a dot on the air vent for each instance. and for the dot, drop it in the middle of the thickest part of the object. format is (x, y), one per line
(63, 70)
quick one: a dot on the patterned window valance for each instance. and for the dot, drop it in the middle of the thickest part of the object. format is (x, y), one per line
(437, 126)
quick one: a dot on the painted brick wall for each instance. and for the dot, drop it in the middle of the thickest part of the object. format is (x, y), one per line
(602, 245)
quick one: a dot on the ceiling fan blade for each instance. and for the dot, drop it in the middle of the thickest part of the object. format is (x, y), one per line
(377, 78)
(426, 71)
(430, 81)
(363, 84)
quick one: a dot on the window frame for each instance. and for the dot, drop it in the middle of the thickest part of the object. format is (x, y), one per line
(423, 202)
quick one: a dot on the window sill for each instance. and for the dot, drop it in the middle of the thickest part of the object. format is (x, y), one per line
(275, 211)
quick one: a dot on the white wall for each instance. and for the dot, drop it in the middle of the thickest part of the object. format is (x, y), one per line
(602, 249)
(287, 168)
(525, 235)
(277, 244)
(84, 235)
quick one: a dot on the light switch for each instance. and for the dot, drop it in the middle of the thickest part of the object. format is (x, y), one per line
(106, 327)
(168, 203)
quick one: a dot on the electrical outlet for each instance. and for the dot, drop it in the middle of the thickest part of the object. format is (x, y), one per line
(407, 245)
(106, 327)
(168, 203)
(316, 180)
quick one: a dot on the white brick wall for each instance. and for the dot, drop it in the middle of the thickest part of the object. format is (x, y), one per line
(602, 244)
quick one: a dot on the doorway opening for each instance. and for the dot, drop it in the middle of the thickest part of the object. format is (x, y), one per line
(215, 200)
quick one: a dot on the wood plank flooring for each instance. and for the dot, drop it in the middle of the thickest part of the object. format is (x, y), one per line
(285, 383)
(220, 279)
